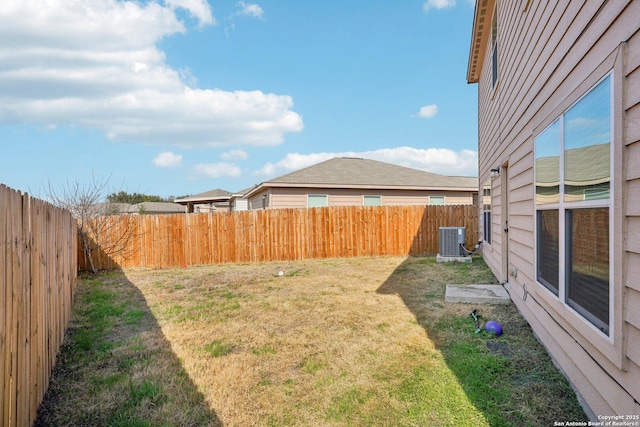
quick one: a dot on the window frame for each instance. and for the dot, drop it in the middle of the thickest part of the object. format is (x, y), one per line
(565, 207)
(371, 197)
(494, 47)
(486, 191)
(431, 198)
(310, 196)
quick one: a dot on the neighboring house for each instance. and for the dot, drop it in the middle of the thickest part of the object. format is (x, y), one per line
(238, 201)
(156, 208)
(210, 201)
(559, 165)
(108, 208)
(345, 181)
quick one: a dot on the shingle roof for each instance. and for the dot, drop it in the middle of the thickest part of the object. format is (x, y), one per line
(241, 193)
(583, 166)
(157, 207)
(211, 195)
(348, 172)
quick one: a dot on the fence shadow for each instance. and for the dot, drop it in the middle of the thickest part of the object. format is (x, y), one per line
(510, 379)
(116, 367)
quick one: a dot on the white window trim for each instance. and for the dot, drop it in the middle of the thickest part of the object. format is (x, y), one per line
(563, 206)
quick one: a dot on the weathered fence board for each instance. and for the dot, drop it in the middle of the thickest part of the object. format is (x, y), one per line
(38, 271)
(283, 234)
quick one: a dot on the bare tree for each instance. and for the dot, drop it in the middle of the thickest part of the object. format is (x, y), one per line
(102, 226)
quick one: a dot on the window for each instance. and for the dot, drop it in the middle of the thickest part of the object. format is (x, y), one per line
(486, 212)
(494, 47)
(573, 204)
(317, 201)
(373, 200)
(436, 200)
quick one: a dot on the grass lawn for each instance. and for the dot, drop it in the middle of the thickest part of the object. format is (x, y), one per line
(365, 341)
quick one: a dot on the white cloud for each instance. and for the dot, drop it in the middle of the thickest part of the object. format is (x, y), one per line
(168, 159)
(428, 111)
(199, 9)
(216, 170)
(252, 10)
(95, 64)
(234, 155)
(438, 4)
(442, 161)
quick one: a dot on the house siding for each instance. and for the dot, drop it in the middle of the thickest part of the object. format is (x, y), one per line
(549, 55)
(240, 204)
(281, 198)
(256, 201)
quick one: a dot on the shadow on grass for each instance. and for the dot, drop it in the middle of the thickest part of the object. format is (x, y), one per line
(510, 378)
(116, 368)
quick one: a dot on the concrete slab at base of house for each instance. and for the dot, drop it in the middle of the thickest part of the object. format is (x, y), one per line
(492, 294)
(464, 259)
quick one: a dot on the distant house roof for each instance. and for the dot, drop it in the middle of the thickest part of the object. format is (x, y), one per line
(211, 196)
(349, 172)
(156, 207)
(583, 166)
(145, 207)
(245, 191)
(108, 208)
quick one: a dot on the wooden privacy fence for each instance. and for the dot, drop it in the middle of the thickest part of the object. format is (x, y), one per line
(38, 269)
(282, 234)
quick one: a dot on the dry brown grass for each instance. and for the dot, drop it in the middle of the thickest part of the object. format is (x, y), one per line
(297, 341)
(364, 341)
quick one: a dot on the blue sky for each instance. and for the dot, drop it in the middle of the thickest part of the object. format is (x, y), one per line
(179, 97)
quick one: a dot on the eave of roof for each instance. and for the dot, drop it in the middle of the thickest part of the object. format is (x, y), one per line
(479, 38)
(369, 187)
(208, 196)
(243, 193)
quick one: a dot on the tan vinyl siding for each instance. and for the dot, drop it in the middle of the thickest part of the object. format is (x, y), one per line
(632, 178)
(456, 198)
(548, 57)
(240, 204)
(347, 198)
(255, 202)
(406, 198)
(286, 197)
(283, 198)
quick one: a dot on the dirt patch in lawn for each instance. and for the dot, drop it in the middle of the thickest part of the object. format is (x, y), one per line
(365, 341)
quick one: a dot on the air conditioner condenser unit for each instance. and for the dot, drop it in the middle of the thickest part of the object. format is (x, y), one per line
(452, 240)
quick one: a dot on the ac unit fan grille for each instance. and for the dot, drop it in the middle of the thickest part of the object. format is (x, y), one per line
(451, 239)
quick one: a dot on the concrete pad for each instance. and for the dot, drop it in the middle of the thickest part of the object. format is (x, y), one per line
(479, 294)
(464, 259)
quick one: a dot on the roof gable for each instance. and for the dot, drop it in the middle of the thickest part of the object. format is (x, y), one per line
(216, 194)
(345, 172)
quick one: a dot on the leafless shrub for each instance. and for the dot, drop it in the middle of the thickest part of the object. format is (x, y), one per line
(103, 227)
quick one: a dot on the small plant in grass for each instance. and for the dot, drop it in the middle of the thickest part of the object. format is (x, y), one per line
(383, 326)
(218, 348)
(263, 350)
(293, 273)
(146, 390)
(133, 317)
(312, 366)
